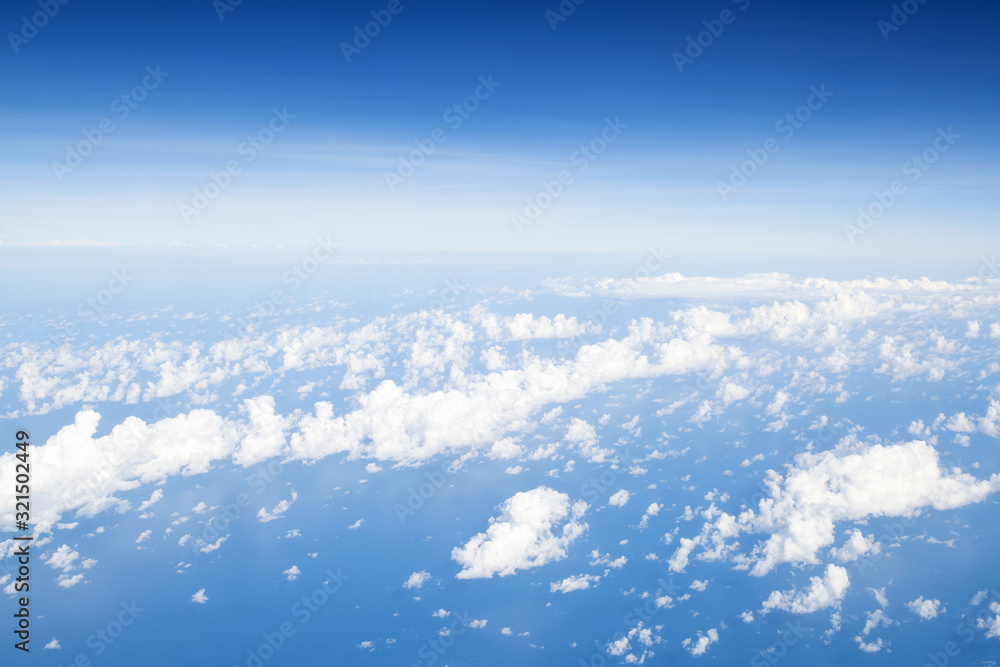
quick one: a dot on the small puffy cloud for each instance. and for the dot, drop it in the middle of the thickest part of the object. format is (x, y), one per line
(65, 558)
(200, 508)
(67, 581)
(277, 511)
(506, 631)
(200, 597)
(535, 527)
(577, 583)
(54, 644)
(619, 498)
(292, 573)
(700, 645)
(991, 625)
(209, 548)
(825, 591)
(747, 616)
(153, 499)
(926, 609)
(857, 545)
(418, 579)
(441, 613)
(478, 624)
(356, 524)
(699, 585)
(145, 535)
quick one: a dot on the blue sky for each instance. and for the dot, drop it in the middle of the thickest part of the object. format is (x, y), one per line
(658, 182)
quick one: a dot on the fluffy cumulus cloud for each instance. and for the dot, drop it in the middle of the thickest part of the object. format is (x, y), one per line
(577, 583)
(619, 498)
(699, 646)
(825, 591)
(264, 515)
(852, 482)
(925, 609)
(199, 597)
(534, 528)
(417, 579)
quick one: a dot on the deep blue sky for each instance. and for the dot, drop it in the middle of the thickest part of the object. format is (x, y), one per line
(657, 183)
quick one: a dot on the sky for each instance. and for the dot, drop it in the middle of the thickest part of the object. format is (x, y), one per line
(681, 126)
(541, 333)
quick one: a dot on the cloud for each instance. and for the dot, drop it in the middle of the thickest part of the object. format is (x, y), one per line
(200, 597)
(278, 511)
(577, 583)
(292, 573)
(64, 558)
(926, 609)
(991, 625)
(699, 585)
(153, 499)
(54, 644)
(700, 646)
(145, 535)
(524, 535)
(852, 482)
(418, 579)
(356, 524)
(825, 591)
(619, 498)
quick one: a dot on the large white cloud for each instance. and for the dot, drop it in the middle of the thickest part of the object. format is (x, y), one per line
(852, 482)
(534, 528)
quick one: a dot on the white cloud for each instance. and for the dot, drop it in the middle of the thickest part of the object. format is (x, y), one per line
(292, 573)
(700, 646)
(577, 583)
(200, 597)
(64, 558)
(699, 584)
(153, 499)
(825, 591)
(991, 625)
(278, 511)
(145, 535)
(619, 498)
(926, 609)
(857, 545)
(524, 535)
(54, 644)
(852, 482)
(356, 524)
(209, 548)
(418, 579)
